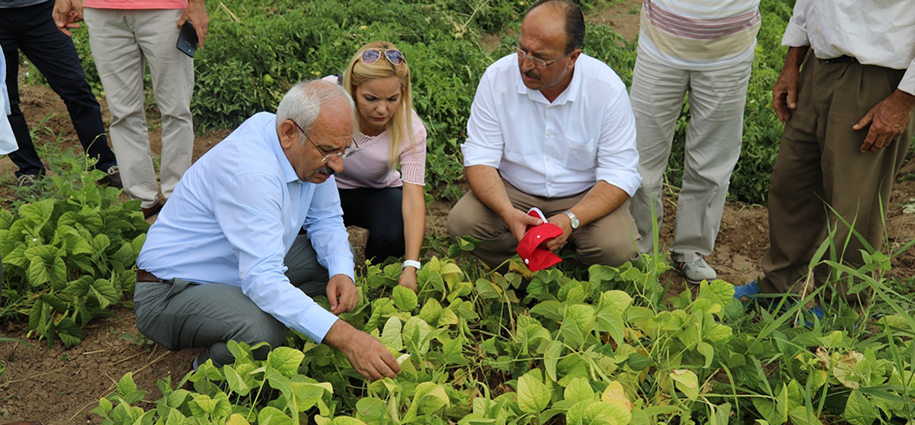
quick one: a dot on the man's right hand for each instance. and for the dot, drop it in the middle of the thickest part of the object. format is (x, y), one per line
(66, 13)
(517, 222)
(367, 355)
(784, 93)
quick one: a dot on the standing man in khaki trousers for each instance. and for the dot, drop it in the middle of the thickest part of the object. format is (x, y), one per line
(124, 36)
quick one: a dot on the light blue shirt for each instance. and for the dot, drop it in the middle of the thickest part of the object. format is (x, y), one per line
(233, 218)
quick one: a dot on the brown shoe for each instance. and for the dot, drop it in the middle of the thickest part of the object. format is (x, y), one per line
(153, 210)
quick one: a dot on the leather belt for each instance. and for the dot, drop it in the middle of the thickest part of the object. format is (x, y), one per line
(840, 59)
(145, 276)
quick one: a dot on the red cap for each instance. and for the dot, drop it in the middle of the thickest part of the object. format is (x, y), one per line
(530, 247)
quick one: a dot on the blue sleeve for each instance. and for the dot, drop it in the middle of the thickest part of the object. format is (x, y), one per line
(251, 221)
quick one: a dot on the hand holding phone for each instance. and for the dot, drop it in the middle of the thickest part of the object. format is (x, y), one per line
(187, 39)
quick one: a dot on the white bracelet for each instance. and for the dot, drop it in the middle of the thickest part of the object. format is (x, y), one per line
(412, 263)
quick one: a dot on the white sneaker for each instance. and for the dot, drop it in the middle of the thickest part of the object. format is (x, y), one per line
(695, 271)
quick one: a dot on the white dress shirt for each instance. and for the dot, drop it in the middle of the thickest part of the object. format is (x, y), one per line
(554, 149)
(878, 33)
(233, 218)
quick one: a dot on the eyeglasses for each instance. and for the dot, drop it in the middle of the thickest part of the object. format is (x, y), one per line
(537, 62)
(349, 150)
(370, 56)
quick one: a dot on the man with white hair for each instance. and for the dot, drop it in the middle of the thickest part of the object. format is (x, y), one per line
(225, 259)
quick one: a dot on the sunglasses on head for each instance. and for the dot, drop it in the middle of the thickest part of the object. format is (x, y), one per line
(370, 56)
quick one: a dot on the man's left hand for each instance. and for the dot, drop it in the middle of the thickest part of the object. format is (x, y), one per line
(342, 294)
(564, 223)
(196, 12)
(887, 120)
(66, 13)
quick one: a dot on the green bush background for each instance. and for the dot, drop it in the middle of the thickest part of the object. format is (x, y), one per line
(247, 65)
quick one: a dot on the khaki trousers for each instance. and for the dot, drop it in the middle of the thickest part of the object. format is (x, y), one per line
(716, 103)
(122, 42)
(610, 240)
(820, 166)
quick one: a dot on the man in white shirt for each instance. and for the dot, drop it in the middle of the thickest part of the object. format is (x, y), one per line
(848, 127)
(551, 128)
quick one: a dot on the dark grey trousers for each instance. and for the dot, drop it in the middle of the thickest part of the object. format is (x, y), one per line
(180, 314)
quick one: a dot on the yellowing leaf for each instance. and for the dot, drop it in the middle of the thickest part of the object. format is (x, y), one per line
(687, 382)
(615, 395)
(237, 419)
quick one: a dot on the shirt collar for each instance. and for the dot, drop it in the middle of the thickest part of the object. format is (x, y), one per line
(570, 94)
(274, 141)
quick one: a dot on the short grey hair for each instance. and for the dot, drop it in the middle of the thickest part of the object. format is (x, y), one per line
(303, 102)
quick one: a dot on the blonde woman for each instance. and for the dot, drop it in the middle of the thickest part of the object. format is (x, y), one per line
(376, 196)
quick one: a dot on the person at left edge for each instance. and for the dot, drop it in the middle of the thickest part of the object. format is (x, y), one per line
(27, 26)
(7, 138)
(225, 259)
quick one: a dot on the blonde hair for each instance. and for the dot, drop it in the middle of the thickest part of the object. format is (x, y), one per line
(400, 126)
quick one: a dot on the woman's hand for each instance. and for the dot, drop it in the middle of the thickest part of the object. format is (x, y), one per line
(408, 279)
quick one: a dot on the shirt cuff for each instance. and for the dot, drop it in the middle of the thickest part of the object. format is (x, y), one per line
(628, 183)
(474, 156)
(795, 36)
(343, 266)
(319, 323)
(907, 84)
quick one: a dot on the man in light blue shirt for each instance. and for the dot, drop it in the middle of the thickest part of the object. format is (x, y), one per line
(225, 260)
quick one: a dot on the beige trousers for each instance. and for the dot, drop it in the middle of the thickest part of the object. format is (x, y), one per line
(122, 42)
(610, 240)
(820, 166)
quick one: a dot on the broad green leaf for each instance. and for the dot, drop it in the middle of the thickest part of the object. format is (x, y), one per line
(718, 332)
(346, 420)
(553, 310)
(235, 381)
(126, 384)
(416, 335)
(273, 416)
(533, 394)
(307, 394)
(69, 332)
(237, 419)
(285, 360)
(719, 414)
(431, 310)
(429, 397)
(859, 411)
(370, 409)
(603, 413)
(687, 382)
(799, 415)
(578, 390)
(104, 292)
(551, 358)
(707, 351)
(638, 362)
(176, 398)
(38, 212)
(577, 324)
(391, 336)
(404, 298)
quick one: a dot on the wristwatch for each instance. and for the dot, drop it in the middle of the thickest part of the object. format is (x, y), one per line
(574, 219)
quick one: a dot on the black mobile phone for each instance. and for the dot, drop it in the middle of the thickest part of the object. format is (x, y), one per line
(187, 39)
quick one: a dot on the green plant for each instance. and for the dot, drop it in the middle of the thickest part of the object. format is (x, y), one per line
(68, 256)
